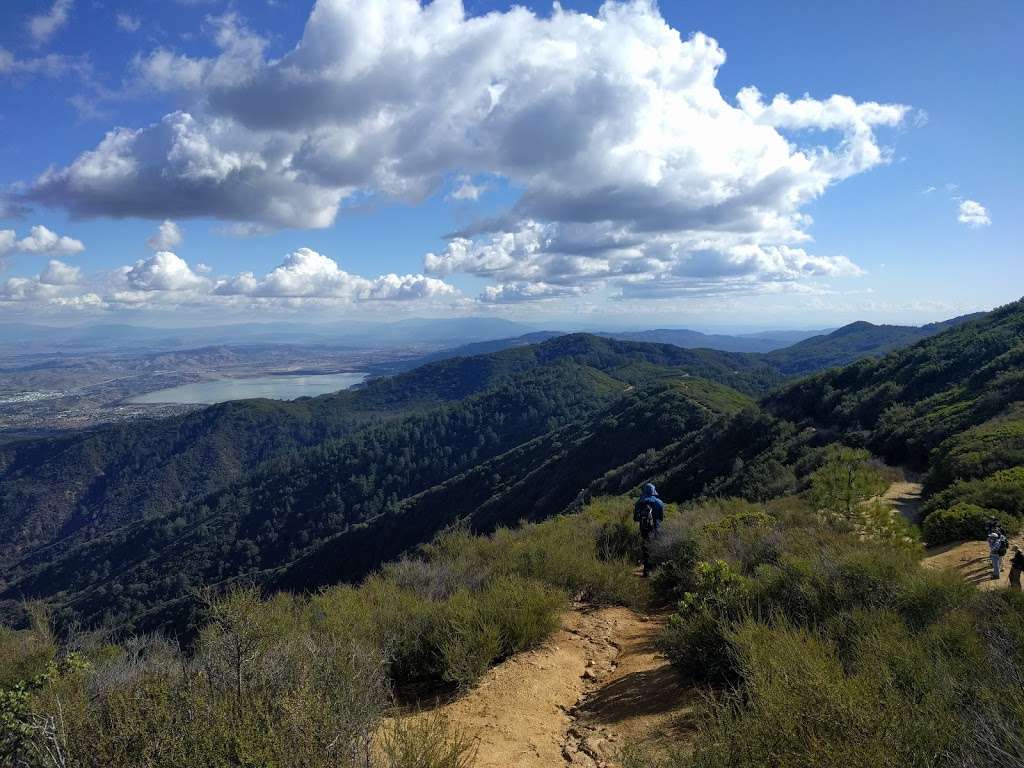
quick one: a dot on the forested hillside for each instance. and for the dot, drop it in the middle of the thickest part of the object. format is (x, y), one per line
(517, 434)
(949, 405)
(127, 566)
(77, 487)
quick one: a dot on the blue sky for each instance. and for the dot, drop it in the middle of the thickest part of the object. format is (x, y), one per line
(583, 166)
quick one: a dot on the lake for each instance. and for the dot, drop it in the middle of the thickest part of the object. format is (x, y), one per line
(285, 387)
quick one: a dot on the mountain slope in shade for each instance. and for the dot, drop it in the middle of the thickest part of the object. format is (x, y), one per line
(78, 486)
(340, 511)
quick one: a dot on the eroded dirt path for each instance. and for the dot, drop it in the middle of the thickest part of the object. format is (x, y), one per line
(598, 682)
(641, 700)
(905, 498)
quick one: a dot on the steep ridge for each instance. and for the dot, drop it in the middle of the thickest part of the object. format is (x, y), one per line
(696, 340)
(311, 523)
(905, 404)
(77, 487)
(853, 342)
(534, 480)
(271, 519)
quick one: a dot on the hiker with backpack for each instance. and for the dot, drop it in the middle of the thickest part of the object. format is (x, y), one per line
(1016, 568)
(997, 546)
(648, 514)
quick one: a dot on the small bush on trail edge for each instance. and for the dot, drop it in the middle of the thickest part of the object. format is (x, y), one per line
(697, 644)
(675, 562)
(619, 540)
(964, 521)
(425, 741)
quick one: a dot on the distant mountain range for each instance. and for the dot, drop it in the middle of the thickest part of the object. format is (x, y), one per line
(412, 332)
(853, 342)
(790, 353)
(458, 336)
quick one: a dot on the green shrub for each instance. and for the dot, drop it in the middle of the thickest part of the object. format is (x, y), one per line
(425, 741)
(619, 540)
(26, 653)
(1003, 490)
(964, 521)
(467, 640)
(526, 612)
(695, 638)
(737, 531)
(925, 596)
(793, 587)
(676, 561)
(799, 706)
(697, 644)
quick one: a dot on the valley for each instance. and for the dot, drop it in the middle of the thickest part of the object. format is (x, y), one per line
(46, 393)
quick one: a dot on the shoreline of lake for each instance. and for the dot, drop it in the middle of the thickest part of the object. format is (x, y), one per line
(274, 386)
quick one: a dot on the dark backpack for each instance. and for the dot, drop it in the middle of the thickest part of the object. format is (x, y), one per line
(1002, 546)
(645, 516)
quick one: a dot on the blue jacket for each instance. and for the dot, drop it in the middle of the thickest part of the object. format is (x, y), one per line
(650, 497)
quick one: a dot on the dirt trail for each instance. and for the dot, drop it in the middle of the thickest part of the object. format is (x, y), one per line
(968, 558)
(597, 683)
(971, 560)
(905, 498)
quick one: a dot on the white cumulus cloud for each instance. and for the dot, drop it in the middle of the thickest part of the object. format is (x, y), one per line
(308, 274)
(304, 278)
(973, 214)
(40, 241)
(163, 271)
(59, 273)
(632, 164)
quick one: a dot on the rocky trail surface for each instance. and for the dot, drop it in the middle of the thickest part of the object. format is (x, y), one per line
(596, 685)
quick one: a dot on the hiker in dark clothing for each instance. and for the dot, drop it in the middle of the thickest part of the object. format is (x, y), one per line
(1016, 567)
(648, 514)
